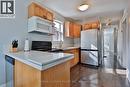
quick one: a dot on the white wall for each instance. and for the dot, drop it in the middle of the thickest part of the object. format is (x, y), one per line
(17, 29)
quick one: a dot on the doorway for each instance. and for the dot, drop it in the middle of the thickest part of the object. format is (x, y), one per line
(110, 47)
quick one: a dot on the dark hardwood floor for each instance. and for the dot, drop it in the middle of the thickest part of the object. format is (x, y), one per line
(81, 76)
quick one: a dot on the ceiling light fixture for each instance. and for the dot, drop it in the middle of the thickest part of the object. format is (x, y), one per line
(83, 7)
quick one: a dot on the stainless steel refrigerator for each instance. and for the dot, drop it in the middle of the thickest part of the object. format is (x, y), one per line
(89, 47)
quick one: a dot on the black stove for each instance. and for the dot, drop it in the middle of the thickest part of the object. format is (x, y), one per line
(45, 46)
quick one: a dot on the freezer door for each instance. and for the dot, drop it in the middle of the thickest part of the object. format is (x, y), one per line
(89, 57)
(89, 39)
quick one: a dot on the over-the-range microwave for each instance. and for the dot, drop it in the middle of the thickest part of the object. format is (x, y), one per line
(37, 24)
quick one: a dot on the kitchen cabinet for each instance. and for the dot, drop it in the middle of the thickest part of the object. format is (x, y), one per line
(27, 76)
(75, 60)
(72, 30)
(49, 16)
(37, 10)
(95, 25)
(87, 26)
(77, 29)
(91, 25)
(69, 29)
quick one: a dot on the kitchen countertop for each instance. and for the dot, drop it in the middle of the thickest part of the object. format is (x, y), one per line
(40, 60)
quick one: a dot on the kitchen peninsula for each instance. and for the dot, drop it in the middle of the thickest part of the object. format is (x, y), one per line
(41, 69)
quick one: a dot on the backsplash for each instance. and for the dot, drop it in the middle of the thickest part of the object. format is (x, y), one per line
(60, 45)
(77, 42)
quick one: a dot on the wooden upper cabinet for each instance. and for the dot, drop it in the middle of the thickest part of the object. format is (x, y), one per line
(95, 25)
(37, 10)
(69, 29)
(72, 30)
(49, 16)
(87, 26)
(92, 25)
(43, 13)
(77, 30)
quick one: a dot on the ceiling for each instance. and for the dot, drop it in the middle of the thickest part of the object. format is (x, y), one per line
(98, 8)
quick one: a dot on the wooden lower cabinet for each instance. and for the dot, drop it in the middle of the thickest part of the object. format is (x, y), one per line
(27, 76)
(75, 60)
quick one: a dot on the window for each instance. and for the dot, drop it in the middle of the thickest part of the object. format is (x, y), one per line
(58, 31)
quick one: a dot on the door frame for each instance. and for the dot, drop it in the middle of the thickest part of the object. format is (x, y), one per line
(115, 27)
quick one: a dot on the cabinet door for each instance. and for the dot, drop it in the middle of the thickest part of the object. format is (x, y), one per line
(92, 25)
(87, 26)
(76, 56)
(72, 60)
(37, 11)
(40, 12)
(49, 16)
(31, 10)
(77, 29)
(43, 13)
(71, 30)
(75, 60)
(67, 23)
(34, 10)
(95, 25)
